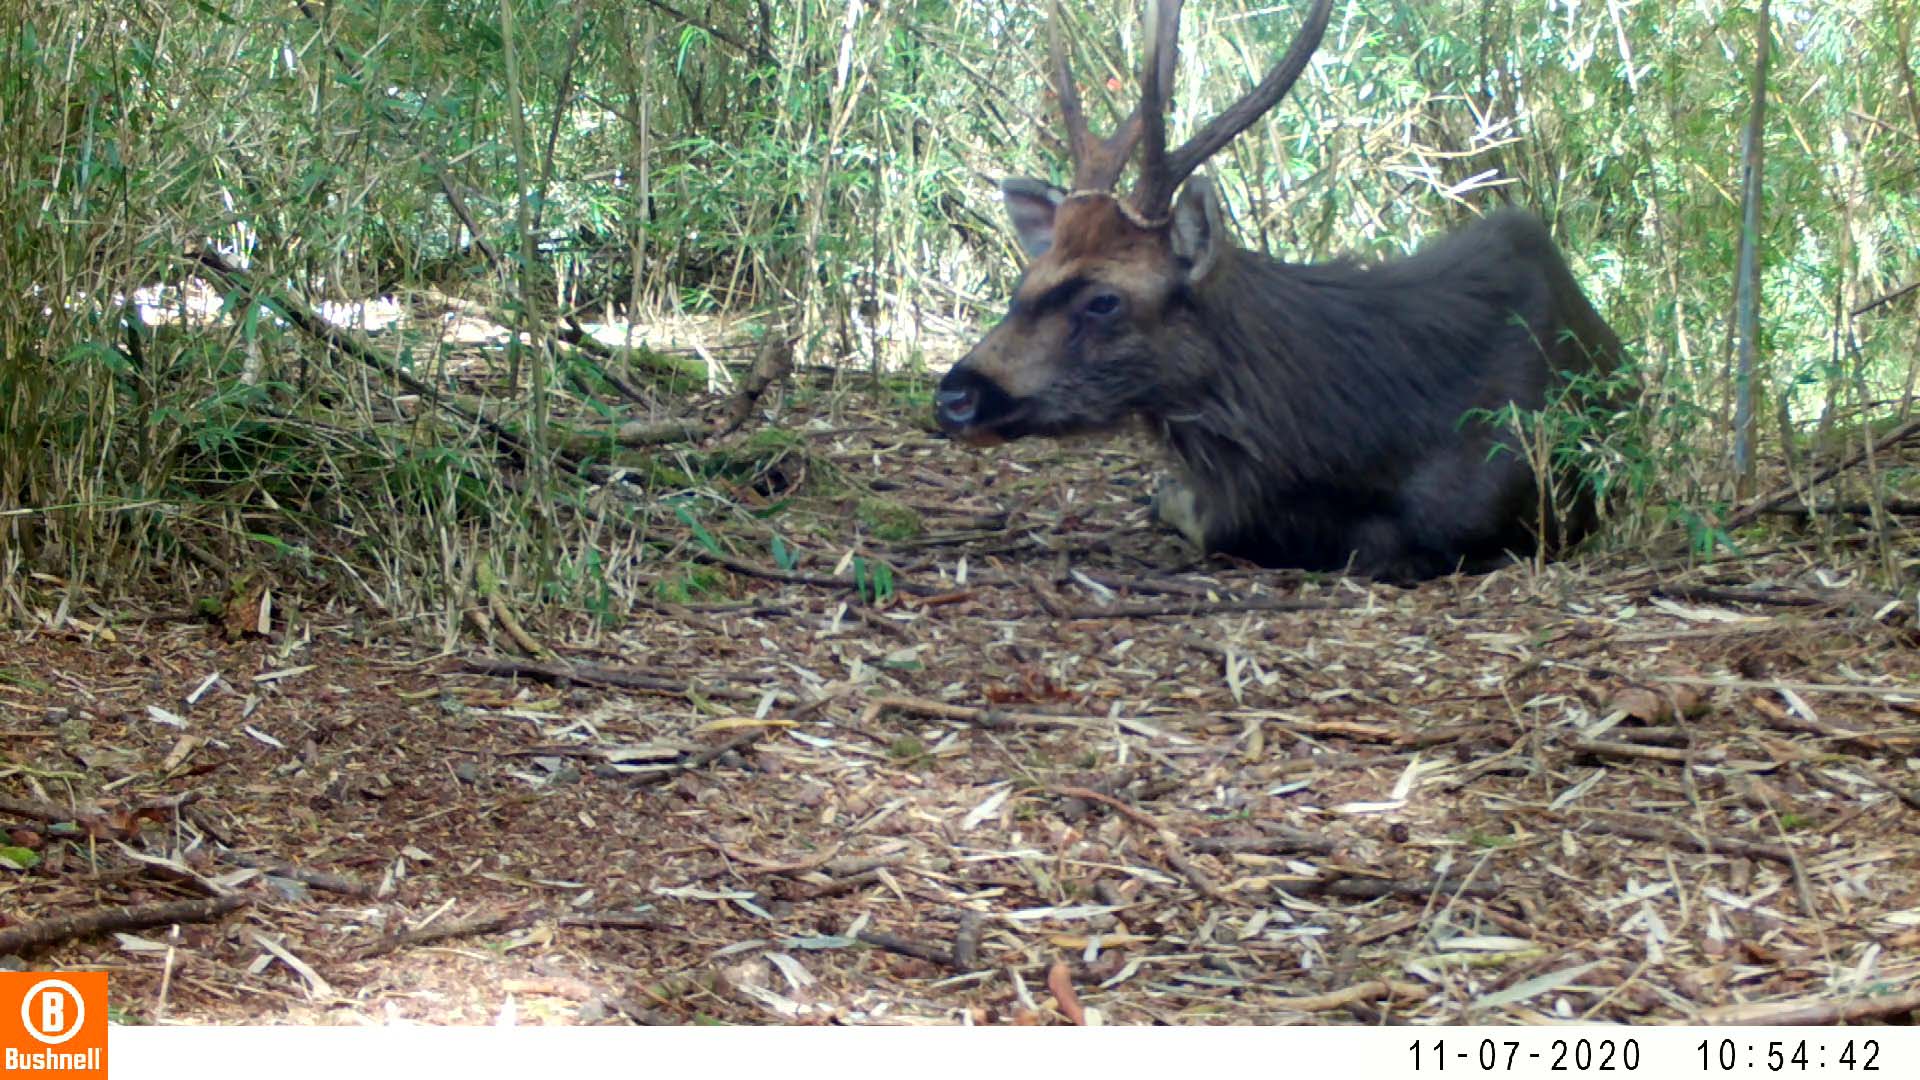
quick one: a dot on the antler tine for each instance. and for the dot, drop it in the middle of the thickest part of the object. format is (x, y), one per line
(1241, 115)
(1153, 191)
(1079, 141)
(1097, 162)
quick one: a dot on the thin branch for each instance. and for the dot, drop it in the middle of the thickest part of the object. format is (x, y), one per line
(757, 53)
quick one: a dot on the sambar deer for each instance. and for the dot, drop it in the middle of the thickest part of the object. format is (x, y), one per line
(1324, 416)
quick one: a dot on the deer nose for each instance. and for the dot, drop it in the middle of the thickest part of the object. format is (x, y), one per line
(961, 398)
(956, 408)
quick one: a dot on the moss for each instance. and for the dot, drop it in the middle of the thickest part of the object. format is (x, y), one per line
(907, 750)
(888, 520)
(671, 369)
(690, 583)
(770, 441)
(772, 461)
(656, 472)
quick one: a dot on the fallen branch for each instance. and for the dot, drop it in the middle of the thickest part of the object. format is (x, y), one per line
(44, 932)
(1383, 929)
(932, 954)
(1909, 797)
(1198, 591)
(561, 673)
(1721, 845)
(318, 879)
(1462, 733)
(1753, 510)
(1818, 1013)
(578, 990)
(490, 923)
(576, 335)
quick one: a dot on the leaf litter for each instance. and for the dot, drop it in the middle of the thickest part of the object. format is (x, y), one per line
(1041, 767)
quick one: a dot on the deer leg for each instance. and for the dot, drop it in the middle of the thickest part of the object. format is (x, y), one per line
(1177, 507)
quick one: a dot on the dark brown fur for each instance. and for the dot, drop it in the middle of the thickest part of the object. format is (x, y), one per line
(1322, 415)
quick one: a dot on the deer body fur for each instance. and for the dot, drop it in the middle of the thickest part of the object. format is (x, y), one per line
(1325, 416)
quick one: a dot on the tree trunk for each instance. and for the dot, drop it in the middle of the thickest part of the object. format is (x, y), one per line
(1746, 290)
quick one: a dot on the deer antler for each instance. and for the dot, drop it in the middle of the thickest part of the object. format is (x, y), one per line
(1153, 191)
(1161, 173)
(1097, 162)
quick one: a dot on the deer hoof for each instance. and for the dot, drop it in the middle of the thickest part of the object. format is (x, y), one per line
(1175, 506)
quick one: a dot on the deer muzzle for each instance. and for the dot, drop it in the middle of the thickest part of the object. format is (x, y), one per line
(971, 408)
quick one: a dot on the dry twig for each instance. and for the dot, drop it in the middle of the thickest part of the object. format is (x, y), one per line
(474, 926)
(44, 932)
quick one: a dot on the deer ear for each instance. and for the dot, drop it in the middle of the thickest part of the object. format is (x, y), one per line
(1031, 205)
(1198, 232)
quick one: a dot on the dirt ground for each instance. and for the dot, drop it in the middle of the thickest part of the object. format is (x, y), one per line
(1066, 773)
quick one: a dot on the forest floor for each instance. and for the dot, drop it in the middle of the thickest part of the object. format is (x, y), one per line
(1064, 772)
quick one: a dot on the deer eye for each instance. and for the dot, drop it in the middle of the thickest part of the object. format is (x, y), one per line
(1103, 305)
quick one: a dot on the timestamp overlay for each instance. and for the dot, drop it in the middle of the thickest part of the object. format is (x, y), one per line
(1661, 1051)
(1004, 1052)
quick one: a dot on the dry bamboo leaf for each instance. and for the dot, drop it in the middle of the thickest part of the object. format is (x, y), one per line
(987, 808)
(1060, 985)
(1104, 941)
(1531, 988)
(741, 723)
(1675, 702)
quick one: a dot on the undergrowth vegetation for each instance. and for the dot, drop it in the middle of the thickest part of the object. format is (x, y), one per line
(183, 186)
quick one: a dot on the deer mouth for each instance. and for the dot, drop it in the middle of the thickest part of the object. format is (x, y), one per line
(975, 411)
(978, 438)
(1025, 424)
(1004, 428)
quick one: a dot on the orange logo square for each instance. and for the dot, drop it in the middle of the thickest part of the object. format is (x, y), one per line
(53, 1023)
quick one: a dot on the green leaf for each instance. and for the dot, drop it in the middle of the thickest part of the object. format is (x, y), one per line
(700, 533)
(872, 580)
(18, 858)
(783, 556)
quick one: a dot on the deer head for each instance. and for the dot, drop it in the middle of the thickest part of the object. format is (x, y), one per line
(1094, 330)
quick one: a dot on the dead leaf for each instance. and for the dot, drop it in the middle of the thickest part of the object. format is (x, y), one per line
(248, 612)
(1657, 706)
(1060, 984)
